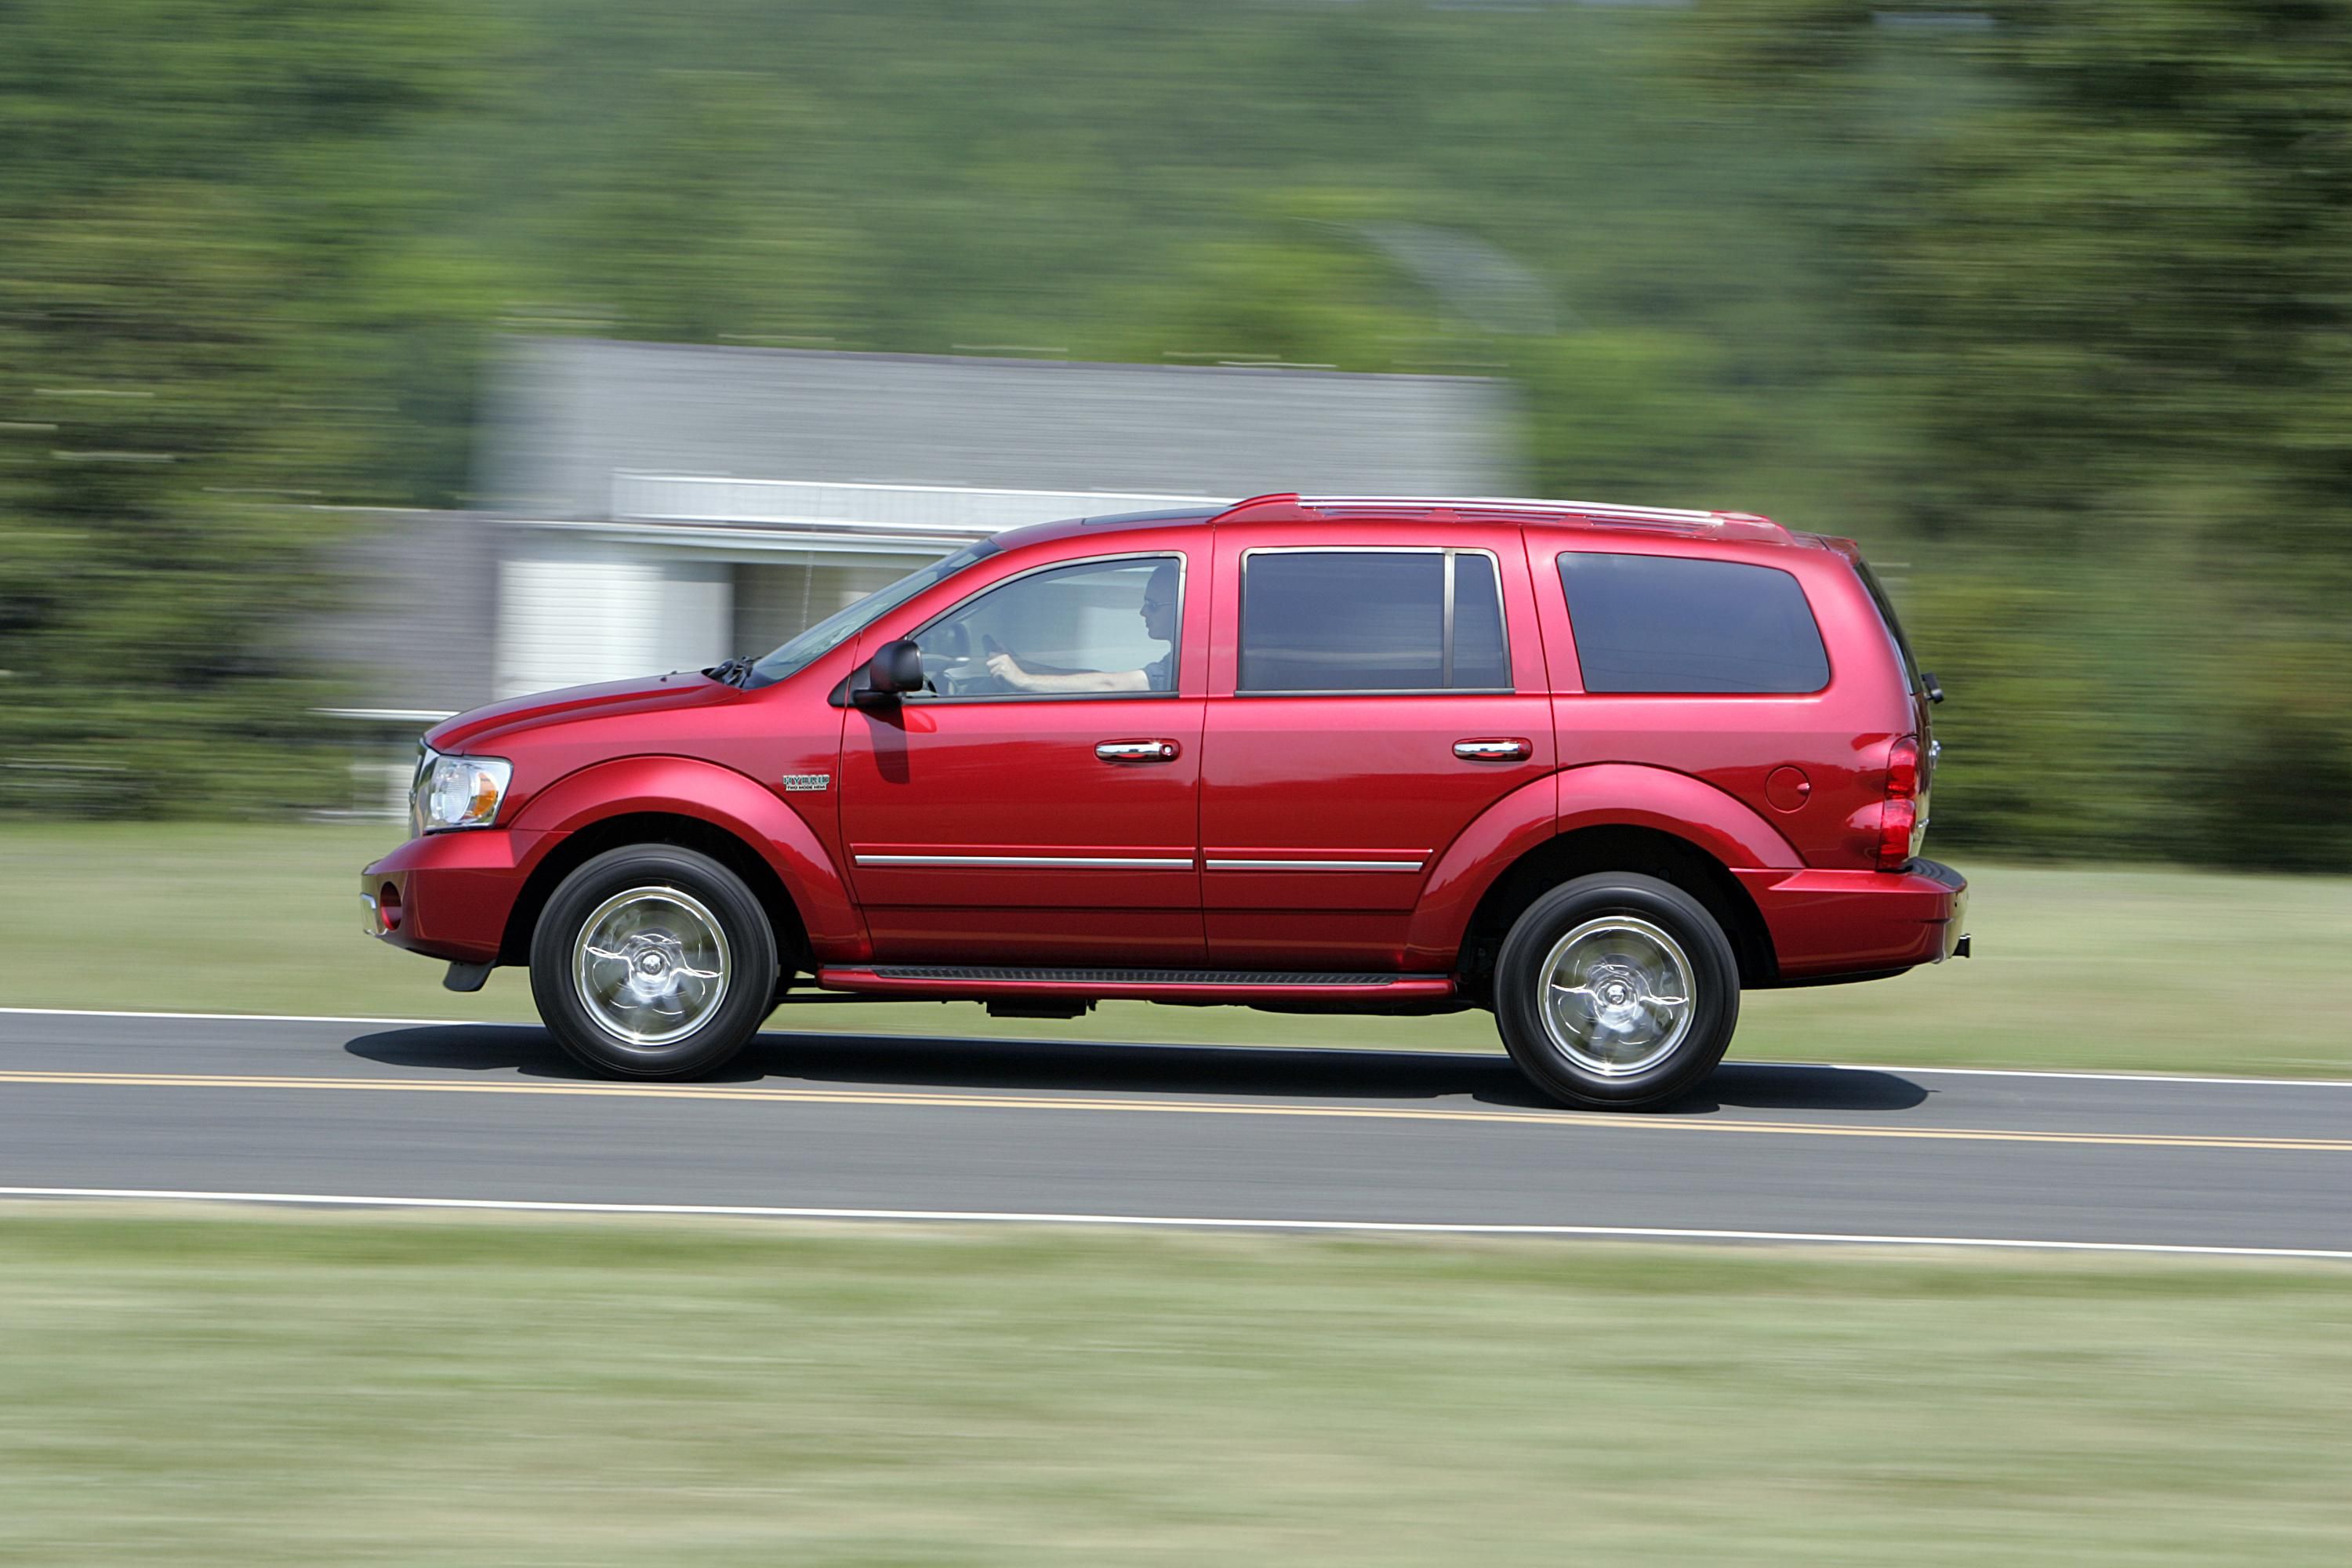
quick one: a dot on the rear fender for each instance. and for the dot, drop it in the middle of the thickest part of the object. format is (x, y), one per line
(1496, 839)
(1604, 795)
(727, 799)
(1631, 795)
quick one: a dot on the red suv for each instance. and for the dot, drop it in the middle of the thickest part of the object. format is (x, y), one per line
(1594, 768)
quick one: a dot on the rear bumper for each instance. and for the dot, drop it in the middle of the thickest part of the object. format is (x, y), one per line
(447, 895)
(1826, 924)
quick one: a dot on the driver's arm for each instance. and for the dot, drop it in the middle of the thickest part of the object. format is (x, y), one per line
(1007, 668)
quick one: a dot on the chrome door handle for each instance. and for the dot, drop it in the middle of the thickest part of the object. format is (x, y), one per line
(1137, 751)
(1492, 750)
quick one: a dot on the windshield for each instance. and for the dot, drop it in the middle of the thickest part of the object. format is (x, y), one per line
(842, 624)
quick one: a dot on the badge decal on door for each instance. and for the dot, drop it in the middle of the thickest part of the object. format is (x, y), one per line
(807, 781)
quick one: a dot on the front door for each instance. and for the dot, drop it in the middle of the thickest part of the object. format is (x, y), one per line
(1371, 701)
(1038, 803)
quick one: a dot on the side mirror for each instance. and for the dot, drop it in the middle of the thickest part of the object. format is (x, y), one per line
(896, 667)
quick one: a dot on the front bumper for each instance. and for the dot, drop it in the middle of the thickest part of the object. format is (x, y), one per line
(1827, 924)
(447, 895)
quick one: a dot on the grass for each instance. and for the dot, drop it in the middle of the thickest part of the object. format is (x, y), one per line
(2137, 970)
(371, 1389)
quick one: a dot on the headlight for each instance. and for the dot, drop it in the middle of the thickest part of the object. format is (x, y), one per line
(459, 792)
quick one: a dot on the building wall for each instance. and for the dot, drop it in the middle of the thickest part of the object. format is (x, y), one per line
(573, 610)
(663, 507)
(571, 413)
(414, 628)
(775, 603)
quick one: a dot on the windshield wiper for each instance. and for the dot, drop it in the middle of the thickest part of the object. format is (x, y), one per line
(733, 671)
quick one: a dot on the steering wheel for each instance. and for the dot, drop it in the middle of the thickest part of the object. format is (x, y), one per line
(957, 671)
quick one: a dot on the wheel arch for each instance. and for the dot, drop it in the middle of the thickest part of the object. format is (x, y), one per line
(576, 849)
(1616, 846)
(1601, 816)
(693, 805)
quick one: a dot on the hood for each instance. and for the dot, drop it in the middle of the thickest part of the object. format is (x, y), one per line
(481, 730)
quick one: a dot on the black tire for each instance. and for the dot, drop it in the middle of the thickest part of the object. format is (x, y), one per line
(688, 913)
(1622, 913)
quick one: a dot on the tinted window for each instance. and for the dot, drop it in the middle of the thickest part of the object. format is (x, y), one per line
(1347, 620)
(1479, 657)
(1663, 623)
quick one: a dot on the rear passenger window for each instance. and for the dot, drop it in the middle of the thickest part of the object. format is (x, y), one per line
(1666, 623)
(1480, 659)
(1371, 620)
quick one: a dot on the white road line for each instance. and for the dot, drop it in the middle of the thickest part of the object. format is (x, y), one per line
(1160, 1222)
(1206, 1045)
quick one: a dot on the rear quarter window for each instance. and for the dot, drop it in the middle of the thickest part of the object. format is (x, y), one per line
(1673, 624)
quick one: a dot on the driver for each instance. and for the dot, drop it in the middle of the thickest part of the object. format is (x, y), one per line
(1159, 611)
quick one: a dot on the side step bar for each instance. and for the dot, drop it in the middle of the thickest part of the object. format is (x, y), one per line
(982, 982)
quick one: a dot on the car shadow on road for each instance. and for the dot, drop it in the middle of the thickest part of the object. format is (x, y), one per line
(779, 1059)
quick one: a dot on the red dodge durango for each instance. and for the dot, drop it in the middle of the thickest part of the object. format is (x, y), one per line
(1594, 768)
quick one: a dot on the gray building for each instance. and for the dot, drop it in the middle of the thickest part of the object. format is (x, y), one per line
(656, 507)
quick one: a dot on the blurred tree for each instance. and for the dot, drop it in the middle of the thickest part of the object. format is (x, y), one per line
(2045, 302)
(195, 198)
(2112, 297)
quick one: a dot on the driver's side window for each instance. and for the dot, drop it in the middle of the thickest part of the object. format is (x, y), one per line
(1100, 628)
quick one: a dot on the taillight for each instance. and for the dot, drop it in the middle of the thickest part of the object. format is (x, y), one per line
(1898, 819)
(1903, 770)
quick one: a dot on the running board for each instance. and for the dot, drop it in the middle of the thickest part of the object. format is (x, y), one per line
(980, 983)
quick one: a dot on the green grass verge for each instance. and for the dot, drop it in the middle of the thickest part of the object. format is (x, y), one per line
(359, 1390)
(2154, 970)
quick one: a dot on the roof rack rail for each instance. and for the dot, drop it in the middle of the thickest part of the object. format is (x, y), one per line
(1601, 510)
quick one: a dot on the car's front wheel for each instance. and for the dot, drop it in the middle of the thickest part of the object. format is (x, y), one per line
(1616, 990)
(653, 961)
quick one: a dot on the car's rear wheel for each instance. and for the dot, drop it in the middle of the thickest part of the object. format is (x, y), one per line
(1616, 990)
(653, 961)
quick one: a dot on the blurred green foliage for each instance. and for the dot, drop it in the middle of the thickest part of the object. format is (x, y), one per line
(200, 207)
(2109, 295)
(2044, 303)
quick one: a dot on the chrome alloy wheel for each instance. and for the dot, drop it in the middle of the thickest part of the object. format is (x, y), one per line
(650, 965)
(1617, 996)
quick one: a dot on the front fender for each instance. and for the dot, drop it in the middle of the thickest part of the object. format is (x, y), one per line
(681, 786)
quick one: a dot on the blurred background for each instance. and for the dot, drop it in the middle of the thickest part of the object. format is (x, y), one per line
(361, 360)
(362, 363)
(345, 349)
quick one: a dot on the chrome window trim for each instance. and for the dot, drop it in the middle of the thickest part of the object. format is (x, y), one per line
(1385, 691)
(931, 699)
(1175, 645)
(1446, 655)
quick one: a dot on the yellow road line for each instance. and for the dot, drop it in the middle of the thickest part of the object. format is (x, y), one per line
(1617, 1121)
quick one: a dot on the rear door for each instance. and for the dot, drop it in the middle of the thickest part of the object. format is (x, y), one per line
(1367, 701)
(989, 824)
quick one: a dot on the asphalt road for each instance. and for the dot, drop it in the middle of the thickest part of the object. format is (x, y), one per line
(325, 1110)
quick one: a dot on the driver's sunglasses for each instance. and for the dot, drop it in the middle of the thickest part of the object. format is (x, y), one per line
(1151, 603)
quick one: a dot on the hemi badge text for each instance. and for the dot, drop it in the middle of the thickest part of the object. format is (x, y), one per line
(807, 781)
